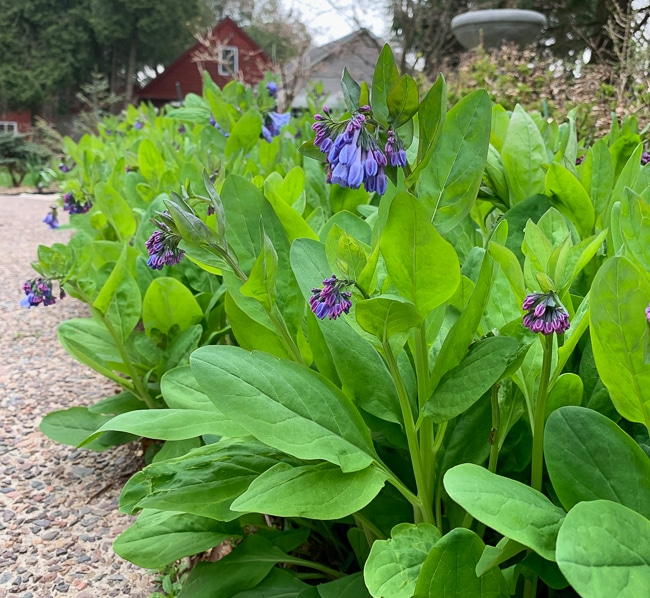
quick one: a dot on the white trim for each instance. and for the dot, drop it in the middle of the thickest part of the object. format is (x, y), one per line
(9, 126)
(222, 67)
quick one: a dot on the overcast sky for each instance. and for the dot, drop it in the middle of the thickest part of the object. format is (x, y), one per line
(331, 19)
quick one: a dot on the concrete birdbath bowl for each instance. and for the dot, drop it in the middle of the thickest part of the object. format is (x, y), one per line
(493, 27)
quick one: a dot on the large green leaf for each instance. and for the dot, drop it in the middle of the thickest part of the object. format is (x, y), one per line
(150, 161)
(421, 264)
(507, 506)
(603, 549)
(350, 586)
(279, 583)
(158, 538)
(387, 316)
(589, 457)
(116, 210)
(169, 303)
(449, 185)
(597, 176)
(245, 134)
(618, 326)
(449, 570)
(267, 397)
(319, 491)
(402, 101)
(635, 228)
(202, 482)
(482, 367)
(570, 198)
(523, 154)
(385, 77)
(394, 564)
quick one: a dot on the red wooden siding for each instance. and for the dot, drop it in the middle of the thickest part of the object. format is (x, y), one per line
(23, 119)
(253, 64)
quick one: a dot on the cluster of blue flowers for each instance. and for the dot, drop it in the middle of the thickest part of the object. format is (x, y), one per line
(39, 291)
(162, 245)
(218, 127)
(70, 204)
(546, 314)
(138, 125)
(273, 122)
(63, 167)
(353, 153)
(51, 218)
(332, 300)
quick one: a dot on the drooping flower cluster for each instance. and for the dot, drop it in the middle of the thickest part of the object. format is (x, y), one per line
(273, 122)
(546, 314)
(162, 245)
(645, 158)
(353, 153)
(51, 218)
(332, 300)
(39, 291)
(272, 88)
(70, 204)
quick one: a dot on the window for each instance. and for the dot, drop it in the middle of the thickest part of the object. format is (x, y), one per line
(8, 127)
(228, 61)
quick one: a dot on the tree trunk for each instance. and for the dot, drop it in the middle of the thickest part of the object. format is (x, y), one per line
(130, 71)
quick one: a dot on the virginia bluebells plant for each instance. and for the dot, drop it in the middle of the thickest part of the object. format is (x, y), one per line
(38, 291)
(546, 314)
(273, 122)
(163, 243)
(51, 218)
(332, 300)
(70, 204)
(353, 153)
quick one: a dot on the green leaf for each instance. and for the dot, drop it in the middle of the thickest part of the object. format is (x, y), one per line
(449, 570)
(384, 79)
(119, 299)
(449, 185)
(351, 90)
(277, 584)
(387, 316)
(403, 101)
(350, 586)
(394, 564)
(482, 367)
(597, 176)
(319, 491)
(345, 254)
(244, 134)
(618, 326)
(523, 154)
(495, 555)
(261, 280)
(71, 426)
(158, 538)
(204, 481)
(421, 264)
(431, 118)
(570, 198)
(567, 390)
(584, 453)
(180, 390)
(151, 163)
(603, 549)
(635, 228)
(507, 506)
(168, 303)
(266, 396)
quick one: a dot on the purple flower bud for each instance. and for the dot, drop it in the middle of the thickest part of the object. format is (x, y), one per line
(38, 291)
(51, 218)
(647, 313)
(138, 125)
(546, 314)
(272, 88)
(645, 158)
(332, 300)
(163, 246)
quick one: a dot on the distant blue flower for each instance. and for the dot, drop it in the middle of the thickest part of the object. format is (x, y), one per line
(217, 126)
(331, 301)
(546, 314)
(272, 88)
(273, 123)
(580, 159)
(645, 158)
(163, 245)
(70, 204)
(181, 130)
(51, 218)
(138, 125)
(38, 291)
(63, 167)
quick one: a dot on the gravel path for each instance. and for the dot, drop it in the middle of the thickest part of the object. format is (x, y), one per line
(58, 505)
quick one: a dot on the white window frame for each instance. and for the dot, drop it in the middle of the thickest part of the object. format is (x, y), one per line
(223, 67)
(9, 126)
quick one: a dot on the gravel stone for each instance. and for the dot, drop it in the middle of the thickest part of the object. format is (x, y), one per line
(54, 498)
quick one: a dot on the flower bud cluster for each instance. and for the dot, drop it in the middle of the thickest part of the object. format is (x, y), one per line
(353, 153)
(51, 218)
(163, 244)
(332, 300)
(39, 291)
(70, 204)
(546, 314)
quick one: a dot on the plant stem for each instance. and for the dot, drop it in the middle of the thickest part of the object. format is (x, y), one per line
(317, 566)
(285, 335)
(537, 466)
(425, 511)
(495, 433)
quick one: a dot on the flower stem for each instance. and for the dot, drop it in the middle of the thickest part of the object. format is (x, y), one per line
(537, 466)
(425, 512)
(495, 433)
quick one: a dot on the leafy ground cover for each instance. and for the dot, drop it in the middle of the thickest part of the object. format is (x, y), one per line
(398, 349)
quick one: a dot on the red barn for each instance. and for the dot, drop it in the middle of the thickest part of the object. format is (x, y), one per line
(227, 53)
(15, 122)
